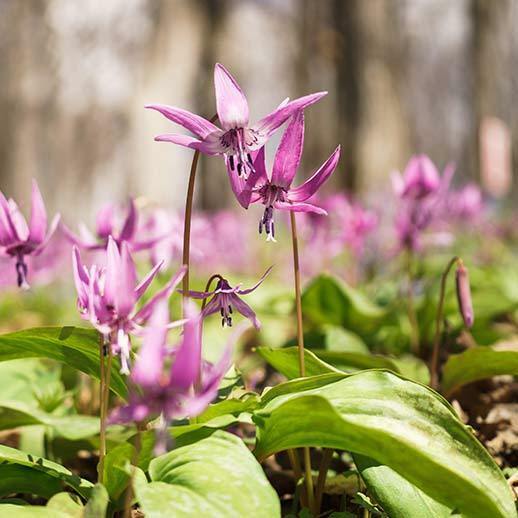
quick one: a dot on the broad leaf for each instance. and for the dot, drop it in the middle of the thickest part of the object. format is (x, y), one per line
(117, 470)
(216, 477)
(479, 363)
(97, 504)
(74, 346)
(33, 511)
(399, 423)
(397, 496)
(55, 472)
(66, 503)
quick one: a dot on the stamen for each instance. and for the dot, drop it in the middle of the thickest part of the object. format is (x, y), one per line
(21, 271)
(231, 162)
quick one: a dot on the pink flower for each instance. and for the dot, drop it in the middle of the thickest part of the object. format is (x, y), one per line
(183, 390)
(106, 227)
(275, 190)
(224, 297)
(237, 138)
(17, 239)
(107, 297)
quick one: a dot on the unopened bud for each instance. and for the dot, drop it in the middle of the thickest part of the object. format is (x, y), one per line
(464, 295)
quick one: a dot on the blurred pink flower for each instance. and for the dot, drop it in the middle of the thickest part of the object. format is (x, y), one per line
(238, 138)
(19, 239)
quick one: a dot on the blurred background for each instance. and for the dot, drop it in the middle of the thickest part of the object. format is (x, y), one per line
(404, 76)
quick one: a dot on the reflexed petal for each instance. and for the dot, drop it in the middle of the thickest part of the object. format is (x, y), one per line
(267, 125)
(53, 227)
(245, 310)
(299, 207)
(194, 123)
(145, 311)
(146, 281)
(81, 279)
(130, 223)
(185, 371)
(241, 187)
(209, 147)
(7, 231)
(38, 224)
(257, 284)
(310, 186)
(148, 367)
(287, 157)
(230, 100)
(199, 294)
(104, 221)
(18, 221)
(213, 306)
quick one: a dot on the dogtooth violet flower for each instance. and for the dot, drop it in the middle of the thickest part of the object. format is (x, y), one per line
(421, 192)
(183, 389)
(19, 239)
(236, 138)
(107, 225)
(275, 191)
(107, 297)
(464, 294)
(225, 297)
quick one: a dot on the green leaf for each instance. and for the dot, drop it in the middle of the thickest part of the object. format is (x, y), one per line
(66, 503)
(398, 497)
(33, 511)
(399, 423)
(22, 479)
(413, 368)
(340, 339)
(286, 361)
(11, 456)
(479, 363)
(72, 427)
(117, 470)
(74, 346)
(216, 477)
(97, 504)
(327, 300)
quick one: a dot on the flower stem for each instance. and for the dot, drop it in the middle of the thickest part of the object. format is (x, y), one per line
(300, 342)
(134, 462)
(102, 415)
(327, 456)
(434, 363)
(186, 252)
(207, 288)
(414, 326)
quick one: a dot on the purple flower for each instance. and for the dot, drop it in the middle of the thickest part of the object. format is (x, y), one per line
(237, 138)
(275, 191)
(224, 298)
(421, 192)
(465, 204)
(106, 227)
(19, 239)
(183, 390)
(107, 297)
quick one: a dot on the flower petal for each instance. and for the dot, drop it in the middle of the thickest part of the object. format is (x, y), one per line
(299, 207)
(53, 227)
(231, 102)
(20, 226)
(267, 125)
(147, 309)
(146, 281)
(245, 310)
(185, 371)
(130, 223)
(81, 279)
(194, 123)
(257, 284)
(7, 230)
(147, 370)
(104, 221)
(38, 224)
(243, 188)
(310, 186)
(287, 157)
(209, 147)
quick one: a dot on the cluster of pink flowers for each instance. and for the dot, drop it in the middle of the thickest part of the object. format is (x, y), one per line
(174, 382)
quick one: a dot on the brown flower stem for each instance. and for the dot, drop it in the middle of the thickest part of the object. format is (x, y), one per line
(207, 288)
(107, 380)
(327, 456)
(297, 471)
(134, 462)
(186, 253)
(102, 415)
(434, 363)
(300, 341)
(414, 326)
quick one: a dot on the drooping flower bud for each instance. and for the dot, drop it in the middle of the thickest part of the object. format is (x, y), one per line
(464, 294)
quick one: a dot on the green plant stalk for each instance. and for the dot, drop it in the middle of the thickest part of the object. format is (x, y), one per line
(414, 326)
(434, 362)
(189, 201)
(327, 456)
(102, 415)
(134, 462)
(300, 342)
